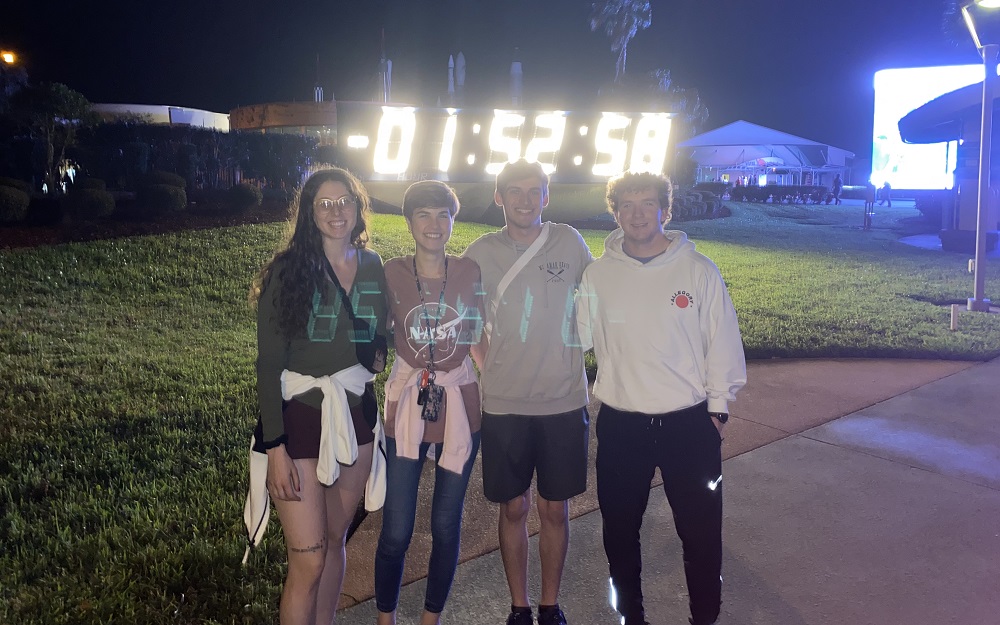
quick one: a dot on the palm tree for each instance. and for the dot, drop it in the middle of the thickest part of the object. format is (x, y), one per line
(620, 20)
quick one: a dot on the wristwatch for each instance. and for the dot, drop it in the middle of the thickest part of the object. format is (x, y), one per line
(721, 417)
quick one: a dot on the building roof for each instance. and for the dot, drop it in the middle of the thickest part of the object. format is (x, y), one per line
(741, 143)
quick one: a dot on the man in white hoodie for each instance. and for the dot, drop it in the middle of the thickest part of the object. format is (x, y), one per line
(670, 358)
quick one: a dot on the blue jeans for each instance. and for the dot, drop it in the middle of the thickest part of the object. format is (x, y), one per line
(398, 515)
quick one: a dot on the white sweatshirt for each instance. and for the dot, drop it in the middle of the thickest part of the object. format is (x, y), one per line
(665, 333)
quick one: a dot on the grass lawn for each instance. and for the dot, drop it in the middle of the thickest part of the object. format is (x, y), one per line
(130, 394)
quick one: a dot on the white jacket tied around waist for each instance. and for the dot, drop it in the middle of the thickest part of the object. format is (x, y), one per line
(338, 445)
(401, 387)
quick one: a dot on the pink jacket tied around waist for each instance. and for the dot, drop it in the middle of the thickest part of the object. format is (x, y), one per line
(401, 387)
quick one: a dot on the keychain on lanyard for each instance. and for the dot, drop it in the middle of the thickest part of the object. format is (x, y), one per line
(429, 394)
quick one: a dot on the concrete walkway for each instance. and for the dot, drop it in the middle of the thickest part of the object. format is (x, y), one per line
(887, 515)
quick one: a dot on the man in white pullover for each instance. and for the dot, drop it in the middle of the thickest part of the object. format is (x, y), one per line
(670, 358)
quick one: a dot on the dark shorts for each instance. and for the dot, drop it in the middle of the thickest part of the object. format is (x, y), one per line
(303, 425)
(516, 446)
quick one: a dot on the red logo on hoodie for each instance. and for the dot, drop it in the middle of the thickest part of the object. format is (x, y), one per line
(681, 299)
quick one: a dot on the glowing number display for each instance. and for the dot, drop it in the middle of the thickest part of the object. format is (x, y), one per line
(555, 123)
(457, 145)
(393, 119)
(448, 141)
(501, 142)
(651, 135)
(615, 148)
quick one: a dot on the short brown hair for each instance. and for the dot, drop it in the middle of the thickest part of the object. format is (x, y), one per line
(429, 194)
(519, 170)
(630, 182)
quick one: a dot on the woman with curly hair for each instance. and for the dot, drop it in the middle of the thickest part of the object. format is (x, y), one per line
(320, 303)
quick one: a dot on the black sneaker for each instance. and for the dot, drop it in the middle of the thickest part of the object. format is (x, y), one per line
(520, 618)
(554, 616)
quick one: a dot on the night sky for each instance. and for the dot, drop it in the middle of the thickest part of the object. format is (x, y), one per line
(800, 66)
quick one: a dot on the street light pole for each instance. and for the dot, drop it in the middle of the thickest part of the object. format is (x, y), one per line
(989, 50)
(978, 302)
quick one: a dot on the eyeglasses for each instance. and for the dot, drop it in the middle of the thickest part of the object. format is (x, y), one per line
(327, 205)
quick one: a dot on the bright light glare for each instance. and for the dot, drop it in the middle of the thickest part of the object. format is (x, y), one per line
(714, 484)
(577, 160)
(393, 118)
(616, 149)
(502, 143)
(897, 92)
(612, 595)
(584, 130)
(471, 159)
(649, 148)
(358, 142)
(448, 141)
(8, 57)
(989, 4)
(476, 128)
(971, 26)
(555, 123)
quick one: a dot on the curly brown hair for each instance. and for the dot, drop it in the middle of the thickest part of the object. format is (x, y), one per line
(631, 182)
(299, 260)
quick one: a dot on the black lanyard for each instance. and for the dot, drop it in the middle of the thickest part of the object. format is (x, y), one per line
(344, 297)
(432, 337)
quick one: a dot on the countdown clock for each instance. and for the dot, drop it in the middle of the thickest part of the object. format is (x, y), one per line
(471, 145)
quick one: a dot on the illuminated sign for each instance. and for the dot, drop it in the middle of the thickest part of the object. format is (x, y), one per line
(469, 145)
(897, 92)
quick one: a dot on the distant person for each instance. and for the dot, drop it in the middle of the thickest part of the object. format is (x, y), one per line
(838, 186)
(432, 397)
(321, 318)
(670, 359)
(885, 195)
(534, 385)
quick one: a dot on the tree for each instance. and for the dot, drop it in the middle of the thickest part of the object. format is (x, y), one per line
(620, 20)
(684, 102)
(51, 112)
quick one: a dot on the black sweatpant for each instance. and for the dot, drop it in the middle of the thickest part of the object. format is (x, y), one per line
(686, 446)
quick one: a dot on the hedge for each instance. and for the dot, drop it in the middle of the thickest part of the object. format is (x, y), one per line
(90, 183)
(157, 199)
(13, 204)
(243, 197)
(165, 178)
(89, 203)
(14, 183)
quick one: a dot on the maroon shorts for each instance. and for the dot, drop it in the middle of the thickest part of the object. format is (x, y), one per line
(303, 428)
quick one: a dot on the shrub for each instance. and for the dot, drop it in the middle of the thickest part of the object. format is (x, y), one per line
(717, 188)
(157, 199)
(13, 204)
(208, 201)
(44, 210)
(281, 196)
(243, 197)
(90, 183)
(14, 183)
(89, 203)
(166, 178)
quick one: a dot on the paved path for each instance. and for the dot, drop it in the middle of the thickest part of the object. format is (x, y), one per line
(889, 514)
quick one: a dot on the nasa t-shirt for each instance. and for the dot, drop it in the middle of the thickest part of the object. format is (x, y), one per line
(452, 325)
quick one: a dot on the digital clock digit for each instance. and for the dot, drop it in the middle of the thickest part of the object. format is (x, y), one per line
(474, 144)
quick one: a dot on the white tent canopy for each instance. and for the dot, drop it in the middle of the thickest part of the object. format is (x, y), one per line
(745, 149)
